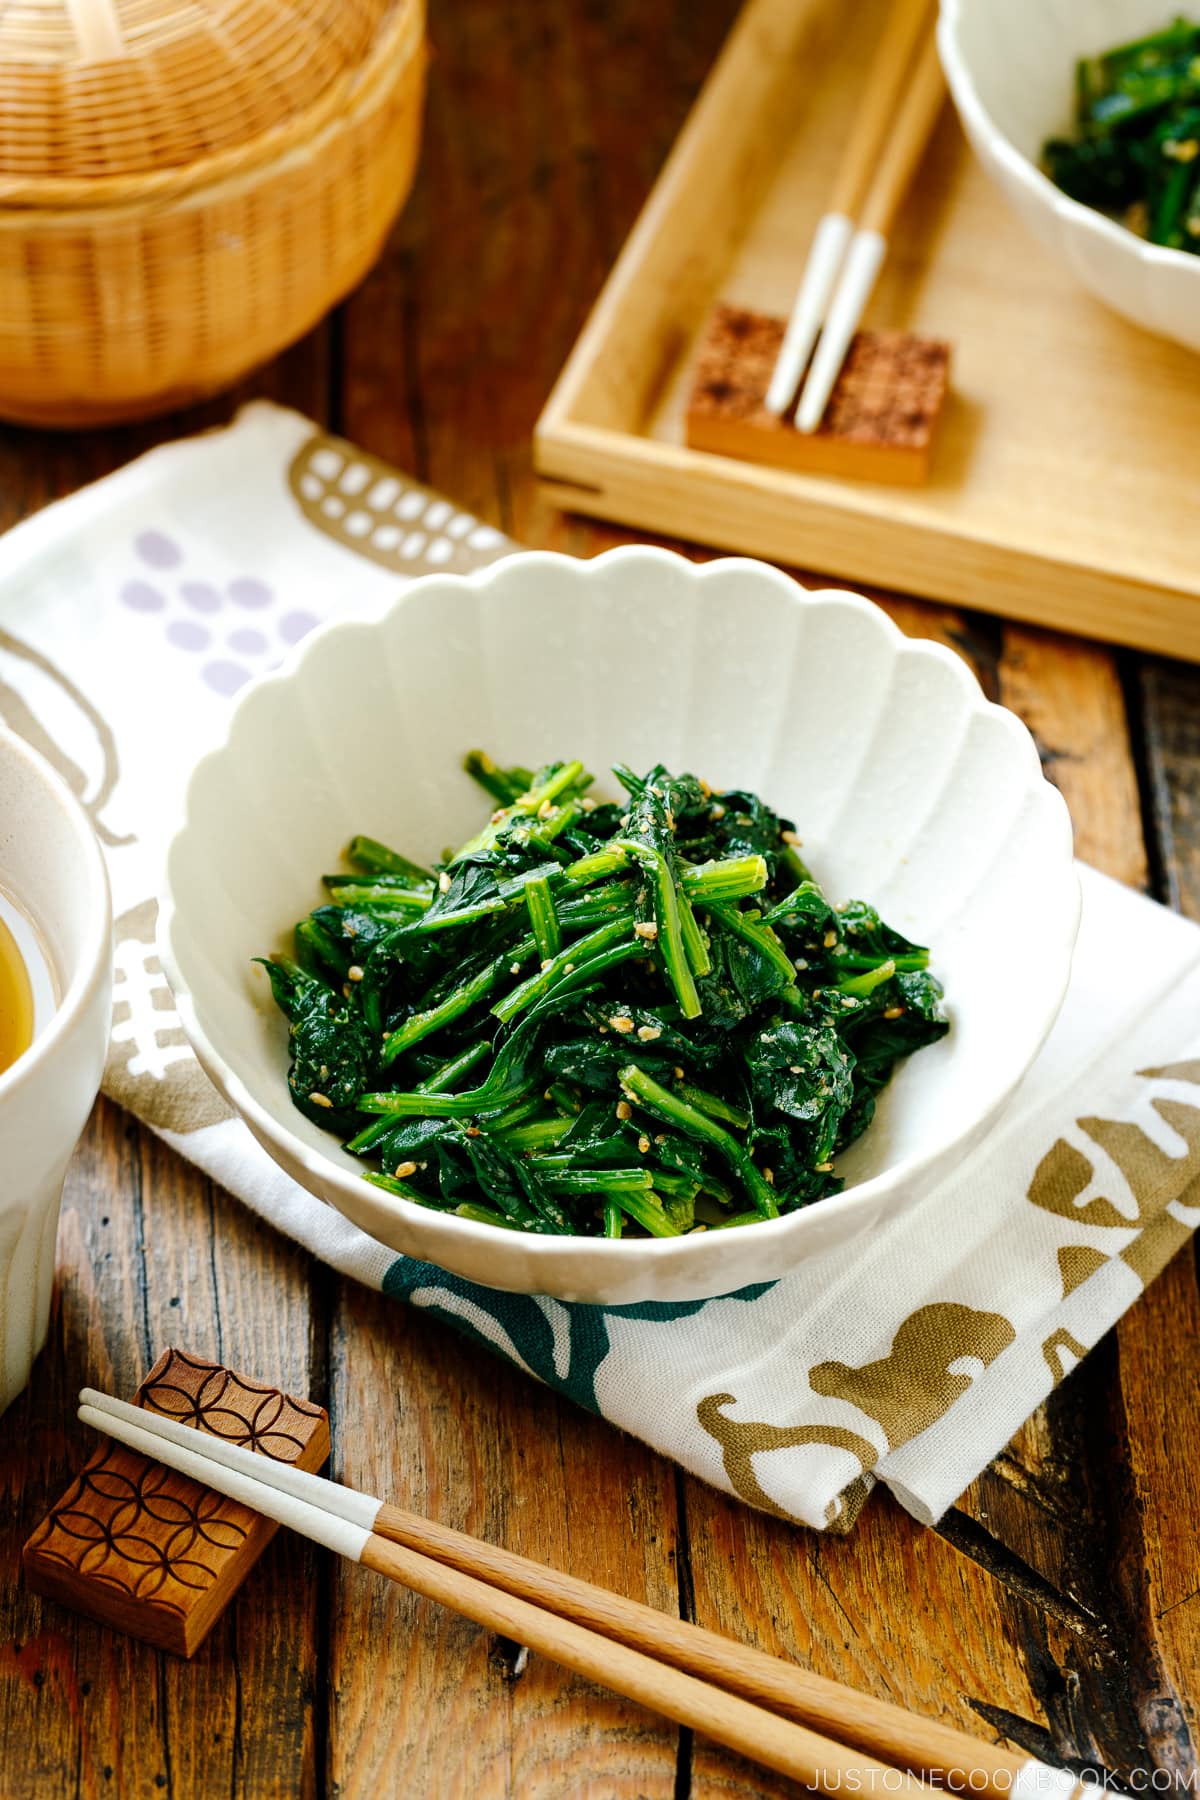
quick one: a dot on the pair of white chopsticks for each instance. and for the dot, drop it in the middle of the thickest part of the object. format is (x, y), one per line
(900, 102)
(814, 1730)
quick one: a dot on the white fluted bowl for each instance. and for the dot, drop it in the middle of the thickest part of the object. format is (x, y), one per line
(908, 787)
(1010, 68)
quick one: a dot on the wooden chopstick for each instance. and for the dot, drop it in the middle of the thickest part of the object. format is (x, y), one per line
(895, 169)
(900, 1740)
(890, 67)
(789, 1749)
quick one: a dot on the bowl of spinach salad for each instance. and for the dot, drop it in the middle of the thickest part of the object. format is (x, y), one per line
(637, 1016)
(1087, 116)
(737, 937)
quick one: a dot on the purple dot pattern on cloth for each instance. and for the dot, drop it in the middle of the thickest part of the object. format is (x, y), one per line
(141, 597)
(295, 625)
(201, 596)
(247, 641)
(186, 634)
(247, 591)
(157, 549)
(200, 621)
(225, 677)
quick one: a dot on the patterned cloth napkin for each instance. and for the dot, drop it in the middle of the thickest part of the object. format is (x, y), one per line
(130, 615)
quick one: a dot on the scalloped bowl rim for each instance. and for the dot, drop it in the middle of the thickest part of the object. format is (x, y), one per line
(688, 1253)
(1037, 184)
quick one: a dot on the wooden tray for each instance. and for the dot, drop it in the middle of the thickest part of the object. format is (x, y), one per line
(1066, 485)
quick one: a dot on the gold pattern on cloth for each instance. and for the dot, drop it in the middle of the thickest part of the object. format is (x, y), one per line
(93, 789)
(365, 506)
(911, 1387)
(915, 1383)
(742, 1439)
(1076, 1263)
(1062, 1340)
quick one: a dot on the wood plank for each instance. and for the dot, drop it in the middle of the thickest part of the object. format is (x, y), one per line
(1083, 1494)
(149, 1253)
(529, 180)
(531, 175)
(1156, 1409)
(475, 1444)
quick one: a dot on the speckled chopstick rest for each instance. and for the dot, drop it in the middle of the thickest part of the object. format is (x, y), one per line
(880, 423)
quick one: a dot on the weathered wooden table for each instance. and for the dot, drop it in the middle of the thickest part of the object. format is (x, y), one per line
(1058, 1604)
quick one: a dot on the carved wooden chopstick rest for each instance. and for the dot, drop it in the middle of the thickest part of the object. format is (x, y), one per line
(151, 1552)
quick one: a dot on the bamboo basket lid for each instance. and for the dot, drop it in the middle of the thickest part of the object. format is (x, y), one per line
(93, 92)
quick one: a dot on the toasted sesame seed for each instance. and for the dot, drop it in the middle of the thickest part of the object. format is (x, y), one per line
(472, 1131)
(567, 968)
(830, 939)
(621, 1022)
(677, 1072)
(320, 1099)
(893, 1012)
(660, 1137)
(514, 968)
(801, 962)
(324, 1071)
(793, 838)
(643, 1145)
(645, 828)
(498, 815)
(347, 990)
(444, 882)
(824, 1168)
(404, 1170)
(647, 929)
(624, 1110)
(549, 1094)
(716, 810)
(587, 803)
(769, 1177)
(648, 1033)
(547, 962)
(795, 1069)
(545, 809)
(355, 972)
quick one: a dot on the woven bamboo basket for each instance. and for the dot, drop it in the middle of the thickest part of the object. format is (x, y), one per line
(186, 186)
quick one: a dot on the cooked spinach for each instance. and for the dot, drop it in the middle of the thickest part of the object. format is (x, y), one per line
(1137, 136)
(600, 1018)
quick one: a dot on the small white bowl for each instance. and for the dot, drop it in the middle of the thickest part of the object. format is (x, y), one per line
(1010, 67)
(52, 870)
(909, 790)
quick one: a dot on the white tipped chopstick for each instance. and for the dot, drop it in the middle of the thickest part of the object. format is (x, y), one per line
(721, 1688)
(901, 99)
(336, 1517)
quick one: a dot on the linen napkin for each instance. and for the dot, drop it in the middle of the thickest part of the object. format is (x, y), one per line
(131, 614)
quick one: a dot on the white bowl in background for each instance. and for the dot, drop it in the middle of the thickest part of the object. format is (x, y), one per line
(908, 787)
(1010, 68)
